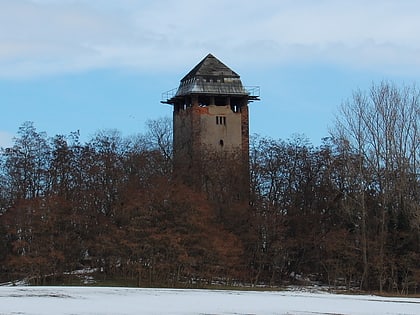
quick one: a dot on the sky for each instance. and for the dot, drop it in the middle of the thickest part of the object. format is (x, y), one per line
(91, 65)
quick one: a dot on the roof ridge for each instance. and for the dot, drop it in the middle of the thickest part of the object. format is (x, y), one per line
(210, 66)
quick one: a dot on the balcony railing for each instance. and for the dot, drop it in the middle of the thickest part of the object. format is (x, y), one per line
(252, 91)
(169, 94)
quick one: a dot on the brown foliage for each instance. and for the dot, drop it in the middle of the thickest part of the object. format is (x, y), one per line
(114, 204)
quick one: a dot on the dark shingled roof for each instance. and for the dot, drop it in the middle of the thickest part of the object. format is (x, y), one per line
(211, 77)
(210, 66)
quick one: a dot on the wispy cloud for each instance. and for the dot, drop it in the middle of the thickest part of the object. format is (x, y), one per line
(41, 37)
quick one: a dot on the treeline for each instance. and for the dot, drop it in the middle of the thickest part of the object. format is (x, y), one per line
(112, 204)
(349, 210)
(346, 212)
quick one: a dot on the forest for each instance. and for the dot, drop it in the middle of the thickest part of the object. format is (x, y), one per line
(345, 213)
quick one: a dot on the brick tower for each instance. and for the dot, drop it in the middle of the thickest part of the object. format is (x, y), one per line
(211, 126)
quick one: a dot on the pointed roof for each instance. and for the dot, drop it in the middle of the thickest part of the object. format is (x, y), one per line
(210, 66)
(210, 77)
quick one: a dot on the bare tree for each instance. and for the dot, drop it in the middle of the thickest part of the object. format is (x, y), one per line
(382, 128)
(26, 163)
(159, 136)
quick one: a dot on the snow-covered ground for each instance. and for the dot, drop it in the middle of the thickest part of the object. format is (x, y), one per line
(126, 301)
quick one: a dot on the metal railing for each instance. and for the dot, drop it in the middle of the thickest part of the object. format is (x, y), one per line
(253, 91)
(168, 94)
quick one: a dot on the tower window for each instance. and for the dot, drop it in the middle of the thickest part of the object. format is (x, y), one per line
(220, 120)
(221, 142)
(235, 108)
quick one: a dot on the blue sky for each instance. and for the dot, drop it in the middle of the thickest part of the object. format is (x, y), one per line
(90, 65)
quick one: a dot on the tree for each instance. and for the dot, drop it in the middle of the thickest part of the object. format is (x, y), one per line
(26, 163)
(159, 137)
(382, 128)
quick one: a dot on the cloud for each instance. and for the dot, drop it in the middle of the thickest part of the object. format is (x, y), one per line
(43, 37)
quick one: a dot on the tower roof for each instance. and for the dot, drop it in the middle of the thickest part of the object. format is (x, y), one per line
(210, 66)
(213, 78)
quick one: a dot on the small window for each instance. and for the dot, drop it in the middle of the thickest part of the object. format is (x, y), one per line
(220, 120)
(221, 142)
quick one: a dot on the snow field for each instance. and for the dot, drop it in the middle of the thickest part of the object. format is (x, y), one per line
(130, 301)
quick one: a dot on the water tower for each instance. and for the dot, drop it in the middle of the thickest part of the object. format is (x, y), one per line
(211, 123)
